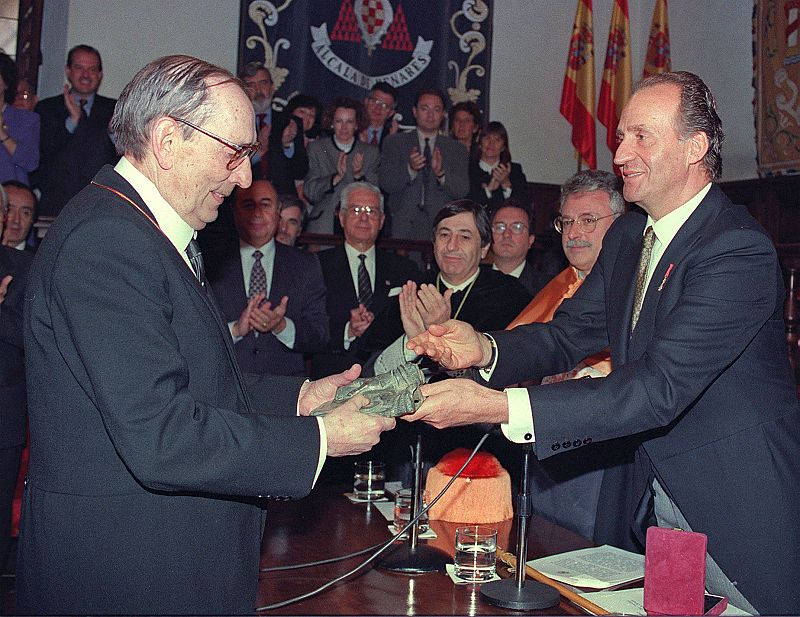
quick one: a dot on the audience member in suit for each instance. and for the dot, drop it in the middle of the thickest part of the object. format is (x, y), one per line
(278, 287)
(260, 89)
(336, 161)
(689, 296)
(74, 141)
(422, 170)
(352, 307)
(566, 489)
(465, 121)
(14, 267)
(19, 129)
(463, 289)
(149, 463)
(20, 215)
(493, 178)
(292, 213)
(512, 238)
(380, 105)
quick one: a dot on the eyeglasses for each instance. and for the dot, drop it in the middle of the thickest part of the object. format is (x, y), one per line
(587, 222)
(368, 210)
(516, 228)
(378, 102)
(240, 153)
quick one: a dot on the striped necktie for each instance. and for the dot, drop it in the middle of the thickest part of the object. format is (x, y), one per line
(364, 283)
(196, 260)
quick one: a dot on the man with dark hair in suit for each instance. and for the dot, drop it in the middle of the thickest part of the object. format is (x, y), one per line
(689, 296)
(512, 238)
(422, 170)
(20, 216)
(74, 139)
(359, 277)
(380, 105)
(277, 288)
(150, 463)
(14, 267)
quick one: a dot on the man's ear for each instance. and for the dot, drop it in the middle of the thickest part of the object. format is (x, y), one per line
(165, 137)
(531, 240)
(485, 250)
(698, 147)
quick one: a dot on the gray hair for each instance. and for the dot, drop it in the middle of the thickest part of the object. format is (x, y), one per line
(344, 197)
(697, 113)
(170, 86)
(3, 203)
(590, 180)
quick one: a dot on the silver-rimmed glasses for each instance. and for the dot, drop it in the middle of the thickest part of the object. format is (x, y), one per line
(587, 222)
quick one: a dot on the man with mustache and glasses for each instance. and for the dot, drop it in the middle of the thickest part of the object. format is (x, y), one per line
(567, 490)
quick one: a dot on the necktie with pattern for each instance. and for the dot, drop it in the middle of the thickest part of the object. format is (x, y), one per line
(374, 139)
(364, 283)
(641, 274)
(258, 278)
(196, 260)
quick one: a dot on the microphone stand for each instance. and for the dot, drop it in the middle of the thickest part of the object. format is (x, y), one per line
(415, 558)
(517, 593)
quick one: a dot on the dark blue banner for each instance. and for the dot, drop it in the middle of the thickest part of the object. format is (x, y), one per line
(331, 48)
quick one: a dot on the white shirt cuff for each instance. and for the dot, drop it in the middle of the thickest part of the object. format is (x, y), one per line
(288, 334)
(519, 428)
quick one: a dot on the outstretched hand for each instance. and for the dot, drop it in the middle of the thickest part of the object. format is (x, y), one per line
(458, 402)
(453, 344)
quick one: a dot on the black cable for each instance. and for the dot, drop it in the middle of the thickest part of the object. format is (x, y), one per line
(384, 546)
(321, 562)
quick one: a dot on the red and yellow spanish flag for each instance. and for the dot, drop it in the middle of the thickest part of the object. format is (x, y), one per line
(577, 94)
(658, 59)
(617, 73)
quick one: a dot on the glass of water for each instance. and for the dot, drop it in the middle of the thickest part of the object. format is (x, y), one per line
(402, 509)
(476, 553)
(369, 479)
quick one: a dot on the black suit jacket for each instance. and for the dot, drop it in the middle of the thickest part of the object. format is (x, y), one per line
(478, 177)
(12, 359)
(391, 272)
(68, 161)
(147, 456)
(703, 384)
(295, 274)
(532, 279)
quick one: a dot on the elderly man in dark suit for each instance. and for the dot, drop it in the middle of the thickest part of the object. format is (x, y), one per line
(358, 288)
(149, 464)
(14, 267)
(689, 296)
(74, 141)
(422, 170)
(284, 284)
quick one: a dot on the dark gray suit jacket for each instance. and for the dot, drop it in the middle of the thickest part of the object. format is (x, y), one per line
(413, 204)
(295, 274)
(703, 384)
(391, 271)
(147, 456)
(323, 156)
(68, 161)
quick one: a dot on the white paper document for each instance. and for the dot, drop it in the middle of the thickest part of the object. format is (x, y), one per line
(631, 602)
(597, 568)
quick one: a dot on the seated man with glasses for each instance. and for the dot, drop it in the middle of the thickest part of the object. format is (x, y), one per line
(360, 278)
(512, 238)
(591, 201)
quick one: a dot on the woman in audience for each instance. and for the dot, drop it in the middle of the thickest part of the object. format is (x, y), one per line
(493, 178)
(336, 161)
(465, 123)
(19, 130)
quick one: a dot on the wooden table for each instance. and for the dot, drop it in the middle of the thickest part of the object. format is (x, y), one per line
(327, 524)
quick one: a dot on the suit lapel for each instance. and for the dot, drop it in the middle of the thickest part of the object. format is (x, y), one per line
(110, 178)
(688, 235)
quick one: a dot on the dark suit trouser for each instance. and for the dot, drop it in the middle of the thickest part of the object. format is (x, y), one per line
(9, 468)
(717, 582)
